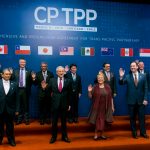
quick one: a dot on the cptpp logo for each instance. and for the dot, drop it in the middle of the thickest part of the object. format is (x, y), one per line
(71, 18)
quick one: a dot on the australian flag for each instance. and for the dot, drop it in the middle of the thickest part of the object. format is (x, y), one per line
(107, 51)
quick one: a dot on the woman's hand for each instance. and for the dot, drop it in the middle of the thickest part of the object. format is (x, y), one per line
(90, 88)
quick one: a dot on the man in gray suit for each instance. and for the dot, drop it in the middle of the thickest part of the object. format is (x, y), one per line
(9, 105)
(137, 91)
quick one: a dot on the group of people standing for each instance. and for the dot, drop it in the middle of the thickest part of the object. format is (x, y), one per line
(58, 97)
(102, 93)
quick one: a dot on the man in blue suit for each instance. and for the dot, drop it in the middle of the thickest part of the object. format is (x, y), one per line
(137, 91)
(9, 105)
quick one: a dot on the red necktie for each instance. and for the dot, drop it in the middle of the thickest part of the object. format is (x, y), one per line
(60, 85)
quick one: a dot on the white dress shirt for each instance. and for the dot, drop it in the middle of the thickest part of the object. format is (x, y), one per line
(6, 85)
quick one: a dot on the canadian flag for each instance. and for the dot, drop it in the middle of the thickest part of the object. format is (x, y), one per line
(126, 52)
(3, 49)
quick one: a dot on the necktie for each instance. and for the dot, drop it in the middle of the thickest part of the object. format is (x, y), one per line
(60, 85)
(135, 80)
(74, 77)
(21, 78)
(44, 75)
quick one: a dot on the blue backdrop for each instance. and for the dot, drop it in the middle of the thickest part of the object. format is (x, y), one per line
(113, 25)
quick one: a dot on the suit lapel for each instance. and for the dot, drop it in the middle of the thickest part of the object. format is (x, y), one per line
(11, 88)
(1, 85)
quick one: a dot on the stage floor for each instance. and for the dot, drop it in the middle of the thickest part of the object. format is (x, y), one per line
(36, 137)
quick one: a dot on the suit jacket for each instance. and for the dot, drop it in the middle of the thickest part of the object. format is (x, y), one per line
(135, 94)
(15, 77)
(112, 82)
(147, 74)
(60, 99)
(39, 79)
(9, 102)
(76, 85)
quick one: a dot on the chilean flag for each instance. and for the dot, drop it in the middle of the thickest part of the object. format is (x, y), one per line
(3, 49)
(22, 50)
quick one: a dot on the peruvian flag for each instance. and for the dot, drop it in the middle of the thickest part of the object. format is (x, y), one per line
(3, 49)
(126, 52)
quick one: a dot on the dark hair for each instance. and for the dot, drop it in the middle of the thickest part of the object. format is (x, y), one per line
(105, 64)
(134, 62)
(73, 65)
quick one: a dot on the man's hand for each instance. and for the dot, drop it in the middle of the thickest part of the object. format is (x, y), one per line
(145, 102)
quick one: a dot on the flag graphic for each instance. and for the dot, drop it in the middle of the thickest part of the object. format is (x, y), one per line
(126, 52)
(107, 51)
(45, 50)
(66, 50)
(22, 50)
(3, 49)
(144, 52)
(87, 51)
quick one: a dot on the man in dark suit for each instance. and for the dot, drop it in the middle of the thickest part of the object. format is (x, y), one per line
(9, 105)
(23, 78)
(137, 91)
(60, 102)
(142, 70)
(44, 96)
(76, 91)
(110, 78)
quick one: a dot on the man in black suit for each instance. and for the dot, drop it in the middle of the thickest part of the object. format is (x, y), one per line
(137, 91)
(110, 78)
(9, 105)
(44, 96)
(23, 78)
(142, 70)
(76, 91)
(60, 102)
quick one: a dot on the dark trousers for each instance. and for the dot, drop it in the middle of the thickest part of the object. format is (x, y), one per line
(7, 119)
(44, 108)
(135, 110)
(24, 105)
(73, 113)
(55, 115)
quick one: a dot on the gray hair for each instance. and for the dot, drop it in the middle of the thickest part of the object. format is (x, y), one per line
(59, 67)
(6, 69)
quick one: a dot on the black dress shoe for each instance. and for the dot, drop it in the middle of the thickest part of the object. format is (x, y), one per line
(75, 120)
(134, 135)
(41, 122)
(96, 138)
(12, 143)
(103, 137)
(144, 136)
(48, 121)
(66, 139)
(18, 122)
(70, 120)
(52, 140)
(27, 122)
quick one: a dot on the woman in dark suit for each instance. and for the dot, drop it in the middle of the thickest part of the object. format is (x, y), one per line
(102, 106)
